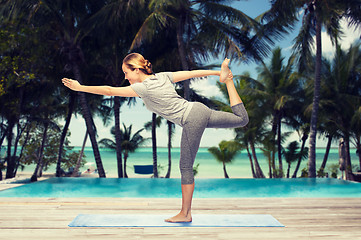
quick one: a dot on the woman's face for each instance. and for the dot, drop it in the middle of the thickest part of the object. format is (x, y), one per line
(131, 75)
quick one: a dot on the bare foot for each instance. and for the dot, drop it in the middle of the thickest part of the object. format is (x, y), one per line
(224, 71)
(179, 218)
(229, 78)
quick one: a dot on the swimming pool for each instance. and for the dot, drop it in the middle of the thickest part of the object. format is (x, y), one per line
(170, 188)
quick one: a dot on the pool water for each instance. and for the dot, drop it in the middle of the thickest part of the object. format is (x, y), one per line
(170, 188)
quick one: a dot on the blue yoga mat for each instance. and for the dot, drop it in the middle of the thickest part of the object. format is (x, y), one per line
(201, 220)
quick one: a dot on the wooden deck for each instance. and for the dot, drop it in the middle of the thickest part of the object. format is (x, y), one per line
(48, 218)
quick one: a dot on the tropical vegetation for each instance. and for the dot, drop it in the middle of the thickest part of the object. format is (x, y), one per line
(43, 41)
(129, 142)
(225, 153)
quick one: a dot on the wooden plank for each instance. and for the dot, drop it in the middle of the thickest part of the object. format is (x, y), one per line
(307, 218)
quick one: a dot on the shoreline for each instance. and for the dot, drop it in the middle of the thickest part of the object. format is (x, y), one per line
(24, 177)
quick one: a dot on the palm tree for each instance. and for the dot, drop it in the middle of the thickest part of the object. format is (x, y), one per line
(171, 127)
(292, 154)
(269, 148)
(303, 131)
(354, 60)
(225, 153)
(23, 70)
(341, 99)
(280, 87)
(202, 29)
(46, 109)
(152, 125)
(356, 123)
(316, 14)
(46, 125)
(66, 21)
(115, 26)
(250, 135)
(129, 143)
(80, 158)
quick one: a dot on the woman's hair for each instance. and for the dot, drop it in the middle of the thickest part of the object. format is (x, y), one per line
(136, 60)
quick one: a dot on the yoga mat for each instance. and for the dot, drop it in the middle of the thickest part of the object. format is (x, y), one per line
(200, 220)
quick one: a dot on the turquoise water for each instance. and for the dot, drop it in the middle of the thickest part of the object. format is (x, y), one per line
(208, 166)
(170, 188)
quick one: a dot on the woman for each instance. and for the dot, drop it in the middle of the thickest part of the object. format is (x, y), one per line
(159, 96)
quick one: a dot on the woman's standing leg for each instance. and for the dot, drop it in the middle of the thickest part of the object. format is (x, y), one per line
(191, 137)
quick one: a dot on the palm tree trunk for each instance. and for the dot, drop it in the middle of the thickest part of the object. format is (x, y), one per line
(182, 55)
(64, 132)
(273, 156)
(225, 171)
(118, 139)
(34, 177)
(2, 139)
(288, 170)
(154, 145)
(125, 164)
(26, 139)
(316, 100)
(304, 139)
(89, 123)
(270, 172)
(328, 146)
(259, 173)
(13, 159)
(40, 172)
(9, 159)
(358, 152)
(76, 170)
(251, 162)
(16, 143)
(280, 165)
(169, 149)
(12, 122)
(348, 170)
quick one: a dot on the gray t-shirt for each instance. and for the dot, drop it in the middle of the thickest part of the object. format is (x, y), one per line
(159, 96)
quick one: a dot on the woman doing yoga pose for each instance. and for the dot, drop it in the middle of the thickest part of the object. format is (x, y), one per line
(159, 96)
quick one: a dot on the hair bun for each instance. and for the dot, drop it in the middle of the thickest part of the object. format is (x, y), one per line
(148, 66)
(147, 63)
(136, 60)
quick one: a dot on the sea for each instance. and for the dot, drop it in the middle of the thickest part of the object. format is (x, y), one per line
(208, 166)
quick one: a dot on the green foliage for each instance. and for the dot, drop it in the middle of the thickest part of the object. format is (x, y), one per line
(129, 141)
(321, 173)
(95, 32)
(195, 169)
(18, 56)
(292, 152)
(160, 168)
(334, 170)
(31, 150)
(304, 173)
(226, 151)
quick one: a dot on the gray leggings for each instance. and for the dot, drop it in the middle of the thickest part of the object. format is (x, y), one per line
(199, 118)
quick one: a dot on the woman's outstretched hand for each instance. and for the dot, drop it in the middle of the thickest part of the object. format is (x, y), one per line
(225, 72)
(72, 84)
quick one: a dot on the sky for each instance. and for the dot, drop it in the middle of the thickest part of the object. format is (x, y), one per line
(137, 115)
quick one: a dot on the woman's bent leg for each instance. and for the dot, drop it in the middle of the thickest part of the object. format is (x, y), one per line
(220, 119)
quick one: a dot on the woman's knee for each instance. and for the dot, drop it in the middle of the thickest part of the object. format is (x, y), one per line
(187, 176)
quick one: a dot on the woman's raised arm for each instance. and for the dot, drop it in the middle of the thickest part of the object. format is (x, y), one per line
(100, 90)
(184, 75)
